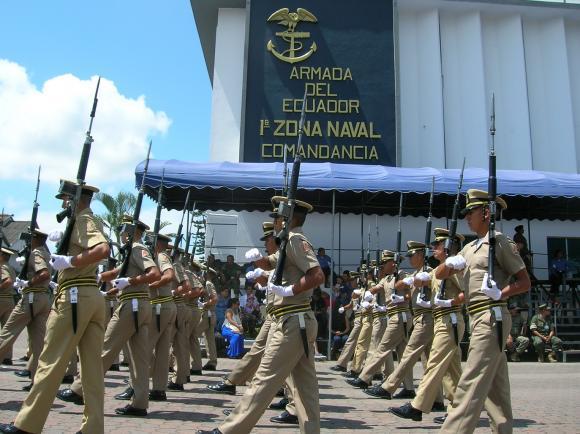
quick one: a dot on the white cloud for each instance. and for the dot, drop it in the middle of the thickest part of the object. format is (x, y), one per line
(47, 126)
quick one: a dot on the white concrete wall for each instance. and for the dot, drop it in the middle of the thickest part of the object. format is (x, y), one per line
(228, 85)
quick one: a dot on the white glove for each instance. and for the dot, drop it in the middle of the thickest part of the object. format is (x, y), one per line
(368, 296)
(357, 292)
(99, 276)
(382, 308)
(422, 303)
(55, 236)
(253, 255)
(22, 284)
(20, 260)
(494, 292)
(441, 302)
(397, 299)
(365, 304)
(254, 274)
(282, 291)
(53, 285)
(121, 283)
(341, 309)
(423, 276)
(408, 281)
(456, 262)
(61, 262)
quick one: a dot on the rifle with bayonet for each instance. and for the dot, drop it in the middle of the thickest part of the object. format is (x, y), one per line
(157, 225)
(428, 234)
(190, 230)
(179, 235)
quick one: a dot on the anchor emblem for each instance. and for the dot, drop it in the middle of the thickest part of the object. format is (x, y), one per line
(291, 20)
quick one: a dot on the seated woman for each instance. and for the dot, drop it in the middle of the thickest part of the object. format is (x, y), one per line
(233, 331)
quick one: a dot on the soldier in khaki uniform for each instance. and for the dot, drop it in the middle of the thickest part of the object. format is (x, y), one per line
(111, 303)
(33, 309)
(164, 312)
(363, 342)
(76, 279)
(192, 301)
(484, 381)
(444, 363)
(207, 322)
(516, 342)
(543, 332)
(290, 347)
(396, 297)
(130, 323)
(7, 279)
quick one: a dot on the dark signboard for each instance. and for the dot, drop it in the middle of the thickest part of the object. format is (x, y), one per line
(340, 52)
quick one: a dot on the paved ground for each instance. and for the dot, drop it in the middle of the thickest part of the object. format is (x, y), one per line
(545, 399)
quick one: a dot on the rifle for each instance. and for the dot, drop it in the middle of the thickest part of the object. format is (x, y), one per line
(27, 236)
(378, 260)
(453, 226)
(74, 190)
(428, 233)
(492, 193)
(180, 229)
(157, 224)
(190, 229)
(398, 245)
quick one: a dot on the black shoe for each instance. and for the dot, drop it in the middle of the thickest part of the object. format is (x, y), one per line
(280, 393)
(209, 367)
(357, 382)
(7, 362)
(338, 368)
(129, 410)
(440, 419)
(404, 394)
(280, 405)
(285, 417)
(223, 387)
(9, 428)
(68, 379)
(187, 379)
(171, 369)
(27, 387)
(213, 431)
(24, 358)
(174, 386)
(126, 395)
(378, 377)
(157, 395)
(24, 373)
(195, 372)
(68, 395)
(126, 364)
(438, 406)
(115, 367)
(378, 392)
(351, 374)
(407, 411)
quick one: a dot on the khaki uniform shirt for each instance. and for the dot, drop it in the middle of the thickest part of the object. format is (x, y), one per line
(163, 263)
(39, 260)
(541, 325)
(507, 259)
(87, 233)
(209, 292)
(6, 271)
(195, 283)
(300, 258)
(387, 285)
(139, 262)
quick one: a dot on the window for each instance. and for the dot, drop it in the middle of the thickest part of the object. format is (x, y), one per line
(571, 250)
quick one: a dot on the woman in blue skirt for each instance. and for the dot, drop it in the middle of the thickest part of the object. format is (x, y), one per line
(233, 331)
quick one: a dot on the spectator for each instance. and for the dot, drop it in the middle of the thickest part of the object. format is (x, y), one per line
(517, 342)
(340, 294)
(319, 308)
(340, 331)
(558, 271)
(231, 275)
(250, 312)
(520, 238)
(347, 283)
(325, 262)
(211, 263)
(233, 331)
(543, 333)
(221, 307)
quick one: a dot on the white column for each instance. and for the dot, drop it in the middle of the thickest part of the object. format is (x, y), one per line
(573, 46)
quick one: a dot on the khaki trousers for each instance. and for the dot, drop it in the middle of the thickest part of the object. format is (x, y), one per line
(110, 307)
(6, 306)
(60, 344)
(36, 327)
(443, 365)
(362, 344)
(160, 344)
(419, 343)
(193, 338)
(350, 344)
(484, 381)
(379, 327)
(121, 329)
(206, 328)
(248, 365)
(181, 343)
(284, 356)
(392, 338)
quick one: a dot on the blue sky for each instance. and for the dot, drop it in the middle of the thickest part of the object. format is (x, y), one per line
(145, 48)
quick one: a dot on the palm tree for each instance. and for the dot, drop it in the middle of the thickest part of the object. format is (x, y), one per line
(123, 203)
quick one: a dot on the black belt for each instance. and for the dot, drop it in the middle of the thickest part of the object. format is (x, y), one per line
(483, 305)
(73, 283)
(134, 295)
(420, 311)
(281, 311)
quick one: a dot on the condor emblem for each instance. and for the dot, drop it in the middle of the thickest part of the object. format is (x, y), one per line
(291, 36)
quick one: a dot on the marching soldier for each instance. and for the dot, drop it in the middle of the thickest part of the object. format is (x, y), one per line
(290, 348)
(484, 381)
(33, 308)
(444, 363)
(7, 280)
(206, 327)
(111, 303)
(130, 323)
(164, 312)
(192, 301)
(77, 292)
